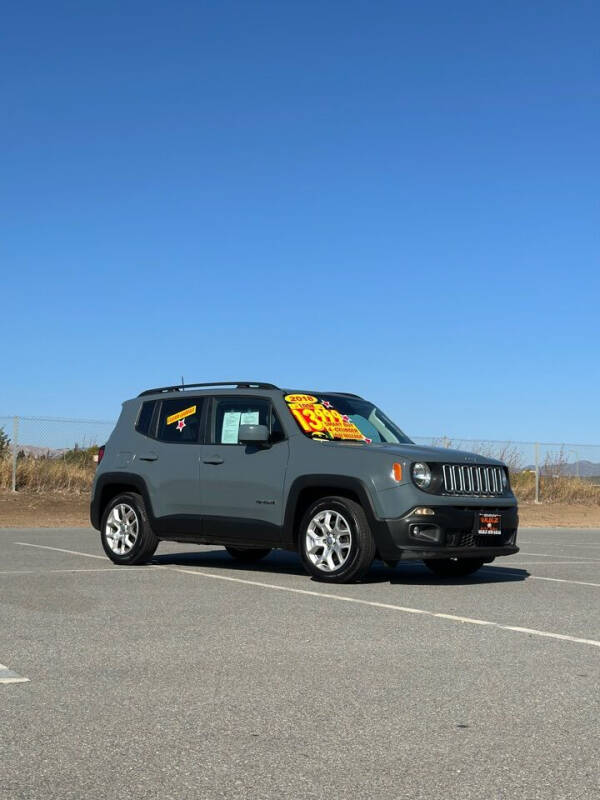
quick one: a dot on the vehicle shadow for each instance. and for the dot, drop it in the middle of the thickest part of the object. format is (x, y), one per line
(286, 563)
(421, 576)
(278, 561)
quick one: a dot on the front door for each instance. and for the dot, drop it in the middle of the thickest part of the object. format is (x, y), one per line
(242, 485)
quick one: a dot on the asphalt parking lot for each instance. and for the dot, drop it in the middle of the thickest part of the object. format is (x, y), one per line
(198, 678)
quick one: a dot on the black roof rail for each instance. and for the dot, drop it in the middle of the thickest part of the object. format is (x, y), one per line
(236, 384)
(315, 392)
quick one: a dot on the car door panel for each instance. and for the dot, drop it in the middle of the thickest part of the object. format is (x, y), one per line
(169, 461)
(242, 485)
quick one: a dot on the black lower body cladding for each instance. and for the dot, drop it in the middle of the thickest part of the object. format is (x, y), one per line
(452, 531)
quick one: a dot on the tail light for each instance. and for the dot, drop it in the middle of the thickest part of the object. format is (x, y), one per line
(98, 458)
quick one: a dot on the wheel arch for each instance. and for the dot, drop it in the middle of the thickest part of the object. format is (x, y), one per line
(111, 484)
(308, 488)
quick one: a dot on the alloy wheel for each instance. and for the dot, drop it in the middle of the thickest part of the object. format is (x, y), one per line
(122, 529)
(328, 540)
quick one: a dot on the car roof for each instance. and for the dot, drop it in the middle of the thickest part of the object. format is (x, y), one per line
(242, 386)
(317, 393)
(232, 384)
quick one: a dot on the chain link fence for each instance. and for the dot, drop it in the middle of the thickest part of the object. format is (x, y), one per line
(540, 471)
(49, 452)
(52, 452)
(562, 459)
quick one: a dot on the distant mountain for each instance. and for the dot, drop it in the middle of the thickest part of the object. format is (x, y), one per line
(41, 452)
(585, 469)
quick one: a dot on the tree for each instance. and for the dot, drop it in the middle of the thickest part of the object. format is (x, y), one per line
(4, 444)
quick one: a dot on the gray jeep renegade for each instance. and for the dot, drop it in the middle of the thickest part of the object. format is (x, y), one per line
(328, 474)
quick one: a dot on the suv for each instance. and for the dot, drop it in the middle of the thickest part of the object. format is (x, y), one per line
(328, 474)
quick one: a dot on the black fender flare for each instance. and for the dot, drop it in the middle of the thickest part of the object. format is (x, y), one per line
(333, 483)
(125, 479)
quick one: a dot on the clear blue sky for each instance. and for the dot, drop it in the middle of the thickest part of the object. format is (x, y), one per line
(397, 199)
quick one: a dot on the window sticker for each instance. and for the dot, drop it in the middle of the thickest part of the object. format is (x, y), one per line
(230, 427)
(249, 418)
(320, 420)
(180, 417)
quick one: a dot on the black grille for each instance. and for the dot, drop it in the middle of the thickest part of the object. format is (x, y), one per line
(461, 539)
(470, 539)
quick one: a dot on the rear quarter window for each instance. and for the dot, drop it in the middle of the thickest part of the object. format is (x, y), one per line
(145, 417)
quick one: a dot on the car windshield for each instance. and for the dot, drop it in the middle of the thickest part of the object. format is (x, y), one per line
(343, 418)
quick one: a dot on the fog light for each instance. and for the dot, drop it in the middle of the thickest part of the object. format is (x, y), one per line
(429, 533)
(424, 512)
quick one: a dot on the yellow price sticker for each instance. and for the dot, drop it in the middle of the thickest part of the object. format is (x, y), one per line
(187, 412)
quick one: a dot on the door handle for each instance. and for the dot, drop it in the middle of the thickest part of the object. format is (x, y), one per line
(151, 456)
(216, 459)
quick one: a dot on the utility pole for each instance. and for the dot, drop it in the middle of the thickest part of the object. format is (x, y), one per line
(537, 474)
(15, 440)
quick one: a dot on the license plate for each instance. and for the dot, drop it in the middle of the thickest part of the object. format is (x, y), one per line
(490, 524)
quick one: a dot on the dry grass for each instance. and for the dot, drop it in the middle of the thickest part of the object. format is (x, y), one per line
(555, 490)
(48, 475)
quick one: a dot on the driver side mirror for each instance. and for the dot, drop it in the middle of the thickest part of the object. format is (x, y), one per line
(254, 434)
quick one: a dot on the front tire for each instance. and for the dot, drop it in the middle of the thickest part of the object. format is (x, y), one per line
(125, 531)
(248, 554)
(334, 540)
(454, 567)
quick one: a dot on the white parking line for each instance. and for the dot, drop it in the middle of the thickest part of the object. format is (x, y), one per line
(543, 578)
(59, 550)
(8, 676)
(561, 544)
(390, 607)
(564, 580)
(546, 563)
(116, 570)
(530, 577)
(561, 529)
(553, 555)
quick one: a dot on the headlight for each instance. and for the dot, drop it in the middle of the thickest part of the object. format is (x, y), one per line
(421, 475)
(504, 479)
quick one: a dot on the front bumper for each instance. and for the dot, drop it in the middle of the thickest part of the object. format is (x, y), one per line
(451, 532)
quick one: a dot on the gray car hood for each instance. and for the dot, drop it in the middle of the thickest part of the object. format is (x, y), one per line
(416, 452)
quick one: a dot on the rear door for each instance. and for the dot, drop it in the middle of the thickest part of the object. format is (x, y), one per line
(242, 485)
(169, 461)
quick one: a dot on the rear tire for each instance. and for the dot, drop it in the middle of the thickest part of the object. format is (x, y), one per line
(335, 542)
(125, 531)
(248, 554)
(454, 567)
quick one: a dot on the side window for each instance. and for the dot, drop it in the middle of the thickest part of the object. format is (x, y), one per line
(231, 412)
(179, 420)
(145, 417)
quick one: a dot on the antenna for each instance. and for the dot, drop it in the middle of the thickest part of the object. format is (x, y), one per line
(182, 382)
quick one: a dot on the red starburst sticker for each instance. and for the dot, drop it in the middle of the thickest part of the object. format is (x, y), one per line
(367, 440)
(327, 404)
(181, 425)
